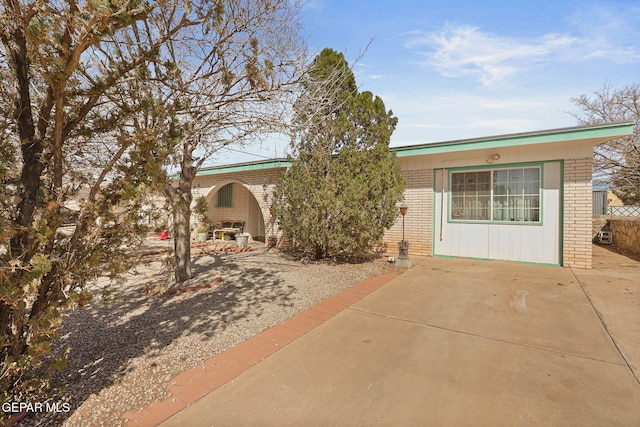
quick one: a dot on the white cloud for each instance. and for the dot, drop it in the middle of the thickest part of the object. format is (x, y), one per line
(606, 33)
(317, 5)
(467, 51)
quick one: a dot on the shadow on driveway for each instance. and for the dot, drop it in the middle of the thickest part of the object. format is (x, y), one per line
(452, 342)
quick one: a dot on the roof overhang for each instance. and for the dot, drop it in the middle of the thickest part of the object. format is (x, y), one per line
(593, 134)
(244, 167)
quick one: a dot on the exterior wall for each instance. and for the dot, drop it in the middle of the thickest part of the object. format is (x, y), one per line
(239, 209)
(249, 185)
(578, 217)
(419, 219)
(626, 233)
(625, 230)
(572, 159)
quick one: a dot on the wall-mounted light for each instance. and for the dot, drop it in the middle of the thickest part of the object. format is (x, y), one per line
(264, 187)
(493, 158)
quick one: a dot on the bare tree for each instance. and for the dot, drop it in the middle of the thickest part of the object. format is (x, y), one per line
(616, 162)
(233, 86)
(64, 77)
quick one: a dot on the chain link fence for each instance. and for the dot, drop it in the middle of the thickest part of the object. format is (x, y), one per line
(623, 211)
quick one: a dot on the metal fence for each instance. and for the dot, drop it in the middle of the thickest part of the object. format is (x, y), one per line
(623, 210)
(600, 202)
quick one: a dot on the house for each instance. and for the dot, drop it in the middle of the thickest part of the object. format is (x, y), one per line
(522, 197)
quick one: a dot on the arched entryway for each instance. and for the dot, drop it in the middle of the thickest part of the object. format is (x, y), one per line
(233, 201)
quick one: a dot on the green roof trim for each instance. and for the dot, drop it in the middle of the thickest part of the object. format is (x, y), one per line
(244, 167)
(599, 133)
(596, 133)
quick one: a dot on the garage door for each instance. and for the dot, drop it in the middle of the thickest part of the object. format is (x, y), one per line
(506, 212)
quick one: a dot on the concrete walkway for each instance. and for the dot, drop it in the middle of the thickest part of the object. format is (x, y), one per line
(448, 342)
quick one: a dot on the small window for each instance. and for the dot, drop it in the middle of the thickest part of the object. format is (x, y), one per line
(224, 196)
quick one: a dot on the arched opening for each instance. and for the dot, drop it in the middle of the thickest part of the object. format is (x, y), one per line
(232, 201)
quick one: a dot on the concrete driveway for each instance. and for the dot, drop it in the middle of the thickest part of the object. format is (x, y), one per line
(454, 342)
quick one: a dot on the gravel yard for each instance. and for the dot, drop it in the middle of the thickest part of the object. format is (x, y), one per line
(128, 343)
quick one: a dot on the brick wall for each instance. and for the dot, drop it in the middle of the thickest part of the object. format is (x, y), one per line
(577, 221)
(248, 186)
(577, 213)
(239, 209)
(419, 219)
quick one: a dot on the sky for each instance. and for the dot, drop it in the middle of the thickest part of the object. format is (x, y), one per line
(453, 69)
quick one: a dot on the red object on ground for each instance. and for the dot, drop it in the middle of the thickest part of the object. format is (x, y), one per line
(164, 235)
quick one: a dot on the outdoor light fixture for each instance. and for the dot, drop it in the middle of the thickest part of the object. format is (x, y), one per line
(264, 187)
(403, 246)
(492, 158)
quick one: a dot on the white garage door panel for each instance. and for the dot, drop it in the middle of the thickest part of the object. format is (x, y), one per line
(469, 240)
(514, 242)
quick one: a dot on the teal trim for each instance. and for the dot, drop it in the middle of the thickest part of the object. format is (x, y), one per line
(243, 167)
(435, 211)
(491, 168)
(540, 264)
(542, 194)
(561, 219)
(445, 256)
(482, 222)
(597, 134)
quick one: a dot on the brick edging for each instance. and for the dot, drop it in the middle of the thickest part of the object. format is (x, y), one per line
(193, 384)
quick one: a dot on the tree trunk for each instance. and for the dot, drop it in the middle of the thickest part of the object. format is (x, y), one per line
(182, 237)
(180, 198)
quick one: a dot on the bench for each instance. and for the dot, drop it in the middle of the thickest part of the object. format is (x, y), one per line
(227, 230)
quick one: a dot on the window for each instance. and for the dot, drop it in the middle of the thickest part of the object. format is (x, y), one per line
(471, 195)
(516, 195)
(224, 196)
(499, 195)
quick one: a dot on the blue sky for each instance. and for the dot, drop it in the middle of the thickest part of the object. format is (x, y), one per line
(465, 69)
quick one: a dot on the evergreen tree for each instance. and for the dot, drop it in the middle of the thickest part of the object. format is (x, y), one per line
(341, 191)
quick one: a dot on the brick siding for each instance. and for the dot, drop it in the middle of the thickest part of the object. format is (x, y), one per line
(247, 185)
(418, 222)
(419, 200)
(577, 213)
